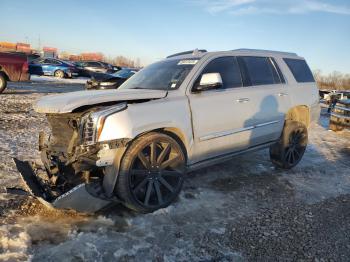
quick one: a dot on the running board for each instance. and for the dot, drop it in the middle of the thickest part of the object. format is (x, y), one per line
(82, 198)
(225, 157)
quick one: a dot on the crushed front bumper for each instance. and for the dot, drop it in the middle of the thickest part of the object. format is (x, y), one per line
(87, 198)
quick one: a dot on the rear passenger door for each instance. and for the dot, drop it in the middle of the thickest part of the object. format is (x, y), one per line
(49, 66)
(269, 94)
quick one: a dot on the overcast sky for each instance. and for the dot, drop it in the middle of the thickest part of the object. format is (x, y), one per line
(319, 30)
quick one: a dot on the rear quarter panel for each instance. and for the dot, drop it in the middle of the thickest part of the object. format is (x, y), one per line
(301, 94)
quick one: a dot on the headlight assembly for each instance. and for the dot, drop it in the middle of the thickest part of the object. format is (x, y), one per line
(94, 122)
(107, 83)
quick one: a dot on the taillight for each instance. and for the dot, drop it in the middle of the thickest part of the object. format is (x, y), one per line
(25, 67)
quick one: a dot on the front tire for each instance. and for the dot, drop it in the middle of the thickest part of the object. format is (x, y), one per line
(151, 173)
(3, 82)
(289, 150)
(59, 74)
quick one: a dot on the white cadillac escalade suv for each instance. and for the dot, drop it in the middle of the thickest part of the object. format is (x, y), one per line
(190, 110)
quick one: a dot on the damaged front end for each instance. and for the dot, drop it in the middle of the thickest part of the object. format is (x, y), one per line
(78, 172)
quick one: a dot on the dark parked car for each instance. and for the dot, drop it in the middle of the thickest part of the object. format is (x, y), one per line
(53, 67)
(89, 68)
(110, 81)
(13, 67)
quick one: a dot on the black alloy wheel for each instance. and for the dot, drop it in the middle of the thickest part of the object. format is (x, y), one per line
(289, 150)
(153, 169)
(296, 147)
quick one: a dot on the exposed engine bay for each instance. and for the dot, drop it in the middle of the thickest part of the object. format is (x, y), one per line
(70, 173)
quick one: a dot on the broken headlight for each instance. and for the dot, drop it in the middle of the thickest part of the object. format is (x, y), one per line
(92, 124)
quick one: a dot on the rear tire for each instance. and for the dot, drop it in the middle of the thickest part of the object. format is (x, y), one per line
(3, 82)
(151, 173)
(289, 150)
(59, 74)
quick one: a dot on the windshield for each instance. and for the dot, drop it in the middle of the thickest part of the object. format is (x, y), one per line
(164, 75)
(124, 73)
(69, 63)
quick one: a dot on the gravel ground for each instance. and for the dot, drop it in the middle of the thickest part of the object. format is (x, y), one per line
(240, 210)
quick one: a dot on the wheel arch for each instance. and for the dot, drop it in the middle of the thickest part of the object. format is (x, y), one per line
(300, 113)
(3, 72)
(174, 133)
(112, 173)
(58, 69)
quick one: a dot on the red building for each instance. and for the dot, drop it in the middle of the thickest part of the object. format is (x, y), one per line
(91, 56)
(22, 47)
(50, 51)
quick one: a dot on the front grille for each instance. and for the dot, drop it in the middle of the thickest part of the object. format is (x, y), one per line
(89, 131)
(61, 132)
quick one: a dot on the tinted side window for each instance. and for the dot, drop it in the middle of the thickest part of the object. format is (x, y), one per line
(94, 64)
(46, 61)
(275, 65)
(276, 77)
(259, 70)
(55, 62)
(228, 69)
(38, 61)
(300, 70)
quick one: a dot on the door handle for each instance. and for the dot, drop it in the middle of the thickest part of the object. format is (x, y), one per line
(242, 100)
(282, 94)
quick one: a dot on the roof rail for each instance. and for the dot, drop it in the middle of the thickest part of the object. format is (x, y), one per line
(262, 50)
(188, 52)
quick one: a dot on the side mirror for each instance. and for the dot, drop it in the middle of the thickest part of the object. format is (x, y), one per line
(209, 81)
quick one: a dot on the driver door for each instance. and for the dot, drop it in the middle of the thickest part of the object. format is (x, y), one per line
(219, 115)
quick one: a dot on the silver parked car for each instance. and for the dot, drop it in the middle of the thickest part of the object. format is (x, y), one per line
(190, 110)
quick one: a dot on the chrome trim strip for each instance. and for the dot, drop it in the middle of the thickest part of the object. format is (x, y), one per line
(342, 108)
(340, 116)
(267, 123)
(234, 131)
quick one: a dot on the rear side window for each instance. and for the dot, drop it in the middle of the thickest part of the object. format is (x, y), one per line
(300, 70)
(52, 61)
(277, 70)
(259, 71)
(95, 64)
(228, 68)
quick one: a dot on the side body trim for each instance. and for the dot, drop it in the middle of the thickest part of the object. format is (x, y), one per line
(225, 157)
(234, 131)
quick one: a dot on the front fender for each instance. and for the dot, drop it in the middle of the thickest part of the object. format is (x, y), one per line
(148, 116)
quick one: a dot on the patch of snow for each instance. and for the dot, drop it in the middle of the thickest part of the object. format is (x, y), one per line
(78, 80)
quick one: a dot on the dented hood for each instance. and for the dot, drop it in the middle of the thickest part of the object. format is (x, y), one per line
(66, 103)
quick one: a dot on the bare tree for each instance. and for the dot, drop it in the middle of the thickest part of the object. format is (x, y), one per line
(334, 80)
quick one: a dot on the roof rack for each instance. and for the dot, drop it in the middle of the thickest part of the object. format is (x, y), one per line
(262, 50)
(194, 52)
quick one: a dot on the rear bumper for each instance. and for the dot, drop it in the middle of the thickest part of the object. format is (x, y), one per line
(71, 74)
(24, 77)
(340, 117)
